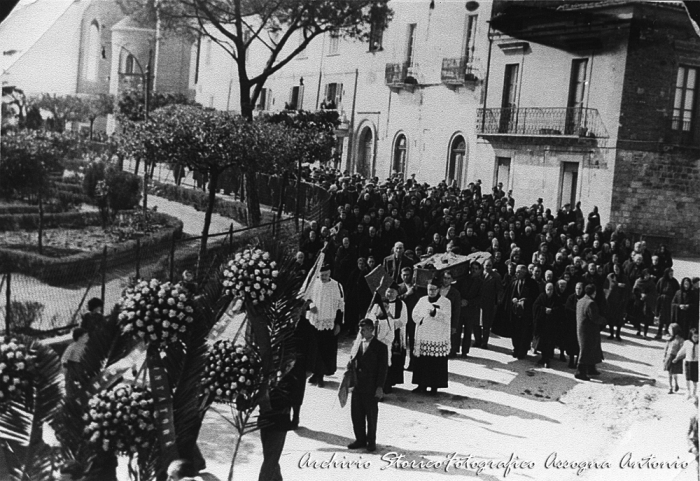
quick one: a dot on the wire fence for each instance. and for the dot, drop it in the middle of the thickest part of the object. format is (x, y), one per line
(53, 306)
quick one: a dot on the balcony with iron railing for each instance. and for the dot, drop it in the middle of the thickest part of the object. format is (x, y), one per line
(572, 122)
(459, 71)
(403, 75)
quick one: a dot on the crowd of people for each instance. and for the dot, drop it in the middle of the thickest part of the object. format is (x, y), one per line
(553, 280)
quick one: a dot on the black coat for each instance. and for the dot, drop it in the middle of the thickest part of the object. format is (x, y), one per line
(370, 368)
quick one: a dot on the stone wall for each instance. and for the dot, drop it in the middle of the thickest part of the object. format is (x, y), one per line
(658, 194)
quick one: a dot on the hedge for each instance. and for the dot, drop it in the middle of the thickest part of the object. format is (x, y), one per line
(68, 220)
(59, 271)
(69, 187)
(14, 209)
(232, 209)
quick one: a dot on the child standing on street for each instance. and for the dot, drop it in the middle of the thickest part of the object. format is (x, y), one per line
(689, 352)
(673, 346)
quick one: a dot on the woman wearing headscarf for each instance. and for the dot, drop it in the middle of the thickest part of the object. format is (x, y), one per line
(617, 292)
(684, 308)
(547, 309)
(666, 288)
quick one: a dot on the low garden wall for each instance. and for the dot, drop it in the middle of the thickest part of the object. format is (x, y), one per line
(60, 271)
(198, 199)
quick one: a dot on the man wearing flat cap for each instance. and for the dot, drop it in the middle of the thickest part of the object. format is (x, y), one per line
(326, 303)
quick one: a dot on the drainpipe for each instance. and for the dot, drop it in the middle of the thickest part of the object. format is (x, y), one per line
(486, 81)
(320, 69)
(351, 128)
(157, 54)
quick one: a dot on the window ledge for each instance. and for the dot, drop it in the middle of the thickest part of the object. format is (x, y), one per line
(333, 55)
(375, 50)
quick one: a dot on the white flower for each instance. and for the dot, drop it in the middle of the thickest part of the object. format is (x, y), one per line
(150, 328)
(275, 273)
(139, 323)
(10, 355)
(183, 328)
(19, 366)
(166, 324)
(172, 313)
(171, 302)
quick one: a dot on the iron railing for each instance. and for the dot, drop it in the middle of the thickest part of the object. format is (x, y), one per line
(536, 121)
(457, 71)
(402, 75)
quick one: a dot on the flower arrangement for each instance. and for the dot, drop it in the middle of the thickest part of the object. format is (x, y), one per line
(251, 274)
(232, 373)
(15, 362)
(121, 419)
(157, 312)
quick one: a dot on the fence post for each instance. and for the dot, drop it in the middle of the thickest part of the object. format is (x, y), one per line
(138, 258)
(8, 308)
(172, 257)
(104, 274)
(230, 239)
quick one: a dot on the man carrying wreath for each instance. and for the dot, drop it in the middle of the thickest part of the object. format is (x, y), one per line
(326, 306)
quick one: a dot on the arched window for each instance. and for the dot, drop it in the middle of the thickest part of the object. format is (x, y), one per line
(129, 64)
(93, 52)
(364, 154)
(456, 165)
(399, 164)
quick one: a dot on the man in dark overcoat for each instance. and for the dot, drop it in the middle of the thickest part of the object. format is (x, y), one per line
(588, 323)
(522, 293)
(490, 292)
(370, 363)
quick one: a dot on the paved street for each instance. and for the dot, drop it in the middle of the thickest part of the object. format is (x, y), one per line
(495, 408)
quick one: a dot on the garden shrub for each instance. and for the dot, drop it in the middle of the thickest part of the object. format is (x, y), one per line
(94, 172)
(25, 314)
(124, 189)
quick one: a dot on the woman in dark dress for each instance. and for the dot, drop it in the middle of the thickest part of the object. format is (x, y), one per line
(546, 310)
(684, 308)
(617, 292)
(666, 288)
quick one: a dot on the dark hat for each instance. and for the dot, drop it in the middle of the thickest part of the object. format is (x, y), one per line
(394, 286)
(94, 303)
(325, 267)
(435, 281)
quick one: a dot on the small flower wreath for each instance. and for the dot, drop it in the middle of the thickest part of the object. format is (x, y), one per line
(121, 419)
(15, 366)
(232, 373)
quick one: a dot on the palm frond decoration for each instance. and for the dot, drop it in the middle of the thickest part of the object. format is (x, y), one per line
(268, 329)
(104, 347)
(26, 455)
